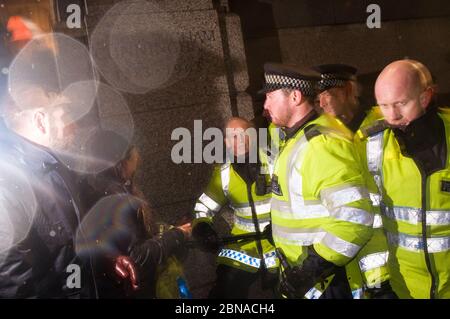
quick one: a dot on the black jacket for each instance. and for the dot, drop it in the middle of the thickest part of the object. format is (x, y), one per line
(37, 266)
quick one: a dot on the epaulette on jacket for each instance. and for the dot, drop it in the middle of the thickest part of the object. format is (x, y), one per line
(372, 129)
(311, 132)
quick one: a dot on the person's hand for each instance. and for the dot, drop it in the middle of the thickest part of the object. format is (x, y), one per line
(206, 236)
(186, 229)
(125, 269)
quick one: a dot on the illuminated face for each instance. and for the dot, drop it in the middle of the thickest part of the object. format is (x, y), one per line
(238, 140)
(276, 105)
(334, 101)
(400, 106)
(62, 131)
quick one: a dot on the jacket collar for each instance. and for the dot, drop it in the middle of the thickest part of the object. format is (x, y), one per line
(291, 131)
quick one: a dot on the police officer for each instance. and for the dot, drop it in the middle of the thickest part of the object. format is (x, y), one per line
(339, 93)
(320, 209)
(243, 186)
(407, 154)
(338, 96)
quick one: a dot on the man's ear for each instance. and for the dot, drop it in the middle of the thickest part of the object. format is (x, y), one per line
(296, 97)
(425, 97)
(40, 122)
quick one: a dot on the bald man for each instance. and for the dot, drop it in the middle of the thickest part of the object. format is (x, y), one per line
(240, 184)
(408, 155)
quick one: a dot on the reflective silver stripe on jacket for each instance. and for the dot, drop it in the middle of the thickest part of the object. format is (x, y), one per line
(373, 261)
(203, 215)
(261, 207)
(248, 225)
(225, 178)
(310, 236)
(413, 243)
(375, 198)
(298, 236)
(374, 153)
(313, 293)
(414, 215)
(199, 207)
(270, 258)
(333, 198)
(353, 215)
(377, 221)
(285, 210)
(209, 202)
(339, 245)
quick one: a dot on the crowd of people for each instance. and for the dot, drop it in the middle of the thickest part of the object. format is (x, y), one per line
(355, 203)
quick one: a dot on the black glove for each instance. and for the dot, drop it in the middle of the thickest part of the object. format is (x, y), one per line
(206, 236)
(267, 234)
(299, 279)
(383, 292)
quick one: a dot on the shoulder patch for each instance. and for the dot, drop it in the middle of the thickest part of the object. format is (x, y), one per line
(311, 132)
(372, 129)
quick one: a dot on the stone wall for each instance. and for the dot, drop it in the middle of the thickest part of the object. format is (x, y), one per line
(309, 32)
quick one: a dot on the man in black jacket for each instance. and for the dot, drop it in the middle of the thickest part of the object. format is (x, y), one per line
(38, 259)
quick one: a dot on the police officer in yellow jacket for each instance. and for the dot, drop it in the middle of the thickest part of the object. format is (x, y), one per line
(321, 212)
(244, 185)
(408, 156)
(339, 96)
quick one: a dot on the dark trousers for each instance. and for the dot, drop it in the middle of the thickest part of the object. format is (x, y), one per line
(339, 287)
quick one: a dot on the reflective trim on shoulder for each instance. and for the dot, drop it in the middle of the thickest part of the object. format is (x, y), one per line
(416, 244)
(336, 197)
(225, 178)
(210, 203)
(372, 261)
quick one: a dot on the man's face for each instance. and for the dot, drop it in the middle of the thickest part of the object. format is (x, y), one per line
(277, 105)
(237, 140)
(334, 101)
(61, 132)
(399, 105)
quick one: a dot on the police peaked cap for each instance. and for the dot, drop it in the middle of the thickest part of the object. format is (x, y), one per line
(334, 75)
(284, 76)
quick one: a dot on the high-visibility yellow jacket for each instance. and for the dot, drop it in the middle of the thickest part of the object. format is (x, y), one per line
(416, 215)
(369, 268)
(227, 187)
(319, 195)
